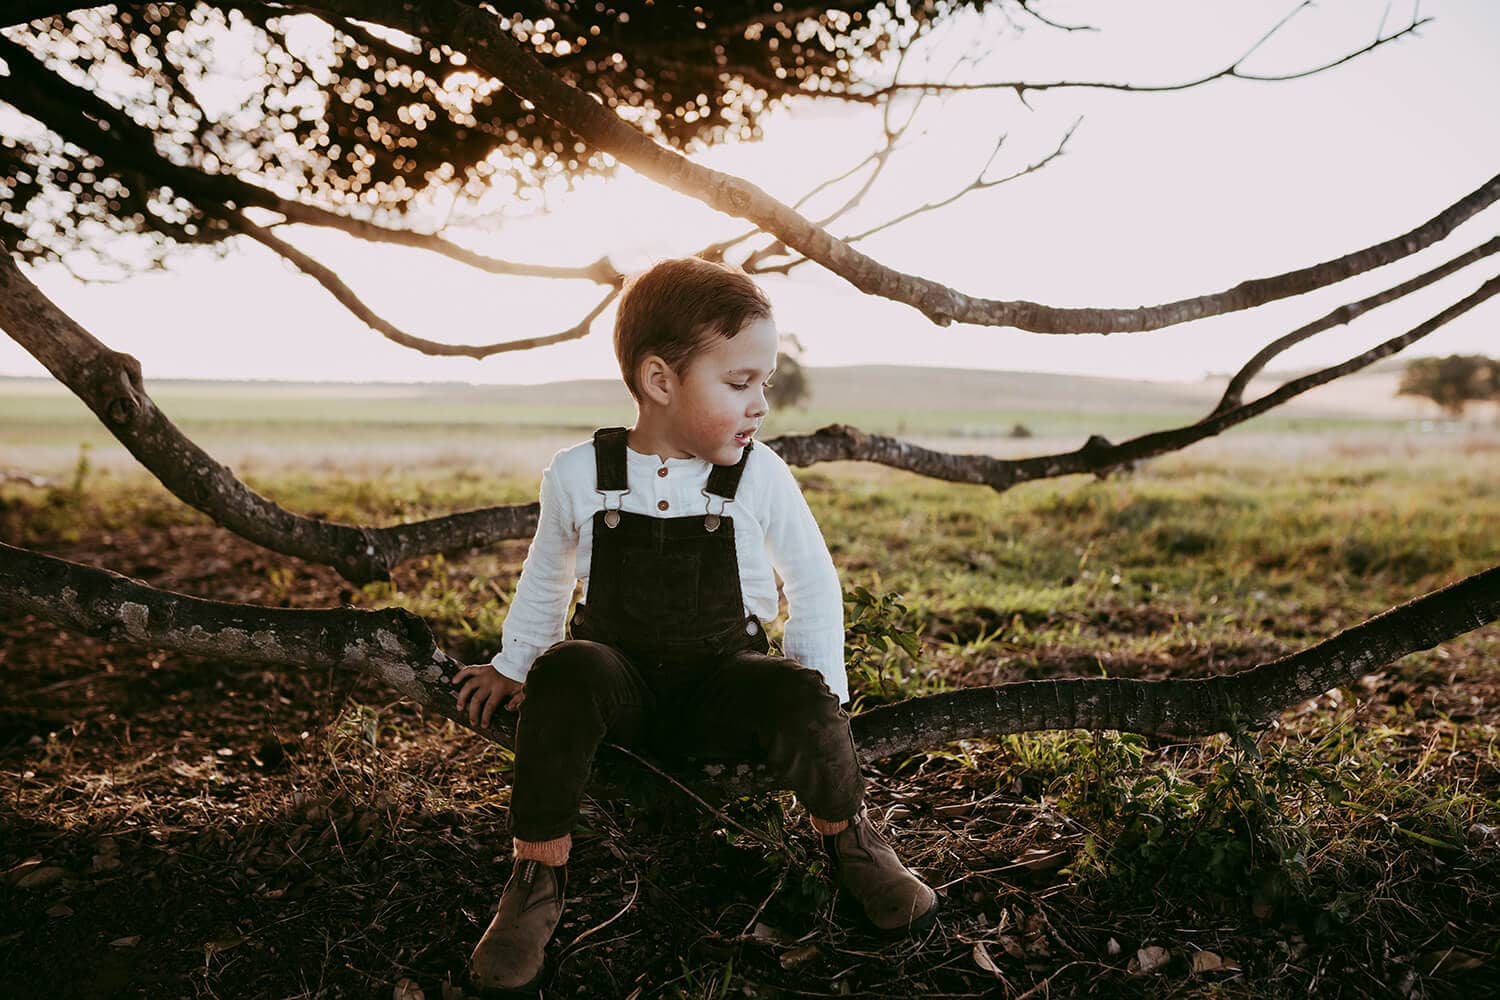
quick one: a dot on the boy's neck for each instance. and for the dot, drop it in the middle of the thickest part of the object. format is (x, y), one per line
(649, 437)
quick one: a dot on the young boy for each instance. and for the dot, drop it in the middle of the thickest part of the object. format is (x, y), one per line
(674, 526)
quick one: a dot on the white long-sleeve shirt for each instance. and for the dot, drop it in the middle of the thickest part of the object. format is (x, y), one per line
(773, 529)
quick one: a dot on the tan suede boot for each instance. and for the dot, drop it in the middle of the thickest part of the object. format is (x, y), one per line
(511, 954)
(893, 899)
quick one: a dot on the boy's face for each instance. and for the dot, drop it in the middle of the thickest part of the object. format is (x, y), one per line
(722, 399)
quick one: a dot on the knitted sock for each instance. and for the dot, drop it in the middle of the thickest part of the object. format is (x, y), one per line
(549, 852)
(828, 827)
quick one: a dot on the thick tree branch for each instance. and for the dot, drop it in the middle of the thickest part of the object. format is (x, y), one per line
(489, 47)
(1188, 707)
(398, 647)
(110, 384)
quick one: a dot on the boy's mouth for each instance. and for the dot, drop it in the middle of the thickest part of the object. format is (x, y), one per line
(743, 437)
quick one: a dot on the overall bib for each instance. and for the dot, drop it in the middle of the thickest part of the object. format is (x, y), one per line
(663, 657)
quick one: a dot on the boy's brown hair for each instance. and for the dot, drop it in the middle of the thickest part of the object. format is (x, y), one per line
(676, 307)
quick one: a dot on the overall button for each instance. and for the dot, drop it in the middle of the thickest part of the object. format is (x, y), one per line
(661, 505)
(751, 628)
(662, 471)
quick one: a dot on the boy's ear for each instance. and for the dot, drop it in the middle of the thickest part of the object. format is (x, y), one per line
(658, 382)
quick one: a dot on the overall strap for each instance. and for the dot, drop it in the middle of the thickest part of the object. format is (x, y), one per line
(609, 458)
(725, 479)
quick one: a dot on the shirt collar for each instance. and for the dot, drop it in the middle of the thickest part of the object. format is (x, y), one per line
(653, 461)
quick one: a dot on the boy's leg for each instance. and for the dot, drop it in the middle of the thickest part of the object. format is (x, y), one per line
(751, 706)
(576, 692)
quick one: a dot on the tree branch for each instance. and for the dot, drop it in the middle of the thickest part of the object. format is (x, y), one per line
(491, 48)
(398, 647)
(1232, 71)
(1187, 707)
(1234, 392)
(88, 122)
(839, 442)
(977, 184)
(336, 287)
(110, 384)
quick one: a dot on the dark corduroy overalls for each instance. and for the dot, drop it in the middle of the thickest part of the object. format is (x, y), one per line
(664, 658)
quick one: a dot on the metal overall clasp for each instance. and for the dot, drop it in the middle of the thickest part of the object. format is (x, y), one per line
(612, 514)
(711, 519)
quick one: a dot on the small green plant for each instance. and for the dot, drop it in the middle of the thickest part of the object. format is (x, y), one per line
(881, 652)
(1224, 829)
(81, 470)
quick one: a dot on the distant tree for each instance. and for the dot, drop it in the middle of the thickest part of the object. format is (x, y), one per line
(789, 386)
(1452, 382)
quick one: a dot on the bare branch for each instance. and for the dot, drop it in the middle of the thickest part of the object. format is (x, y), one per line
(491, 48)
(346, 297)
(977, 184)
(1232, 71)
(1027, 6)
(1234, 392)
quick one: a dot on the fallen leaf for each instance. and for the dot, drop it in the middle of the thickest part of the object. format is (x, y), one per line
(1113, 947)
(765, 932)
(1207, 961)
(797, 956)
(407, 989)
(40, 876)
(983, 960)
(1151, 958)
(129, 941)
(59, 910)
(1012, 946)
(1445, 961)
(16, 872)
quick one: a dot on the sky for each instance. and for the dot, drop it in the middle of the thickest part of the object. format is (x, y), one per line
(1157, 197)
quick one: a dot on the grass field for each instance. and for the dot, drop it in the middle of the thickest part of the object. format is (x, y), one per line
(180, 826)
(369, 427)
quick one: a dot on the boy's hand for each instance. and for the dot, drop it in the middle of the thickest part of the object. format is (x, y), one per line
(484, 687)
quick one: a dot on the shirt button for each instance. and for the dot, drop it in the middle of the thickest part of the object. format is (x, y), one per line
(661, 471)
(661, 505)
(751, 628)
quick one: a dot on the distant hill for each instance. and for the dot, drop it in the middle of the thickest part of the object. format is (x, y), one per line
(854, 388)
